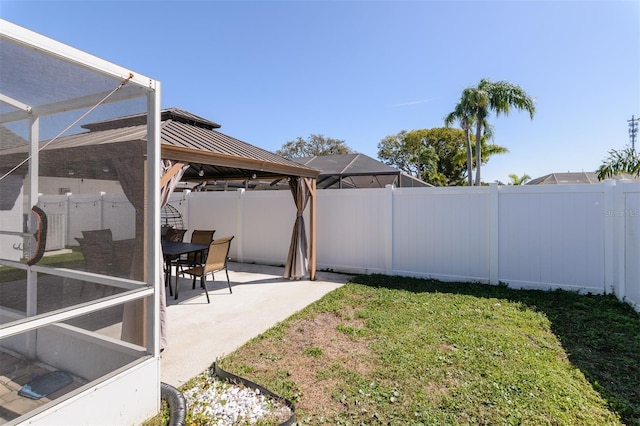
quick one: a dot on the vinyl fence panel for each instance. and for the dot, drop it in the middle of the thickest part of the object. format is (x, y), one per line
(267, 222)
(631, 216)
(441, 233)
(219, 211)
(552, 236)
(118, 214)
(351, 230)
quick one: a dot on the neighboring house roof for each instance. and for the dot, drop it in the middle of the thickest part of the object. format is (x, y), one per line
(357, 171)
(10, 139)
(572, 178)
(10, 186)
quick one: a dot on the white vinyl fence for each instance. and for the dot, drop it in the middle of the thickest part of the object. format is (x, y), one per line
(576, 237)
(579, 237)
(71, 214)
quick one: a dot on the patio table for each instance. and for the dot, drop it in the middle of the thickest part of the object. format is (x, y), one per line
(174, 249)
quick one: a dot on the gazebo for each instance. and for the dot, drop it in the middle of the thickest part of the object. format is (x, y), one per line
(192, 150)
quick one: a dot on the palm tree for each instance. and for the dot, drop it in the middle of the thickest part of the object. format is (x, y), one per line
(519, 180)
(487, 149)
(626, 160)
(476, 103)
(464, 115)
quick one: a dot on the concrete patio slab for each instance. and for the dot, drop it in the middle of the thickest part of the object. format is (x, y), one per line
(199, 333)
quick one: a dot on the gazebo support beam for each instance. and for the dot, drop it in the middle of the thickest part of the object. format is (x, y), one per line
(170, 174)
(311, 186)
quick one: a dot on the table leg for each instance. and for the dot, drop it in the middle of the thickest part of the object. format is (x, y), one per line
(167, 275)
(176, 297)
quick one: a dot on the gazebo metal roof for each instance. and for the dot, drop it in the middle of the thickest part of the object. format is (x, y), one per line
(185, 137)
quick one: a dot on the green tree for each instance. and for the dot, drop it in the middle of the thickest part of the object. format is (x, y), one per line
(436, 156)
(475, 106)
(313, 145)
(626, 160)
(405, 153)
(519, 180)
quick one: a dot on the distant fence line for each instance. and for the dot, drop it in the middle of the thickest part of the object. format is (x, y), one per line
(71, 214)
(575, 237)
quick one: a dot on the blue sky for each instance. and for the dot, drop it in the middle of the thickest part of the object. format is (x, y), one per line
(270, 71)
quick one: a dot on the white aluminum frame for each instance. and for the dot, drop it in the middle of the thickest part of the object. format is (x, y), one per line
(150, 365)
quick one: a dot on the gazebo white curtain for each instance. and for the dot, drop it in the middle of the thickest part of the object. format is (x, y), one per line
(297, 264)
(130, 172)
(132, 184)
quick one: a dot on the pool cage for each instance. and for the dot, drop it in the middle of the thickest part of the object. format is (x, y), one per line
(79, 326)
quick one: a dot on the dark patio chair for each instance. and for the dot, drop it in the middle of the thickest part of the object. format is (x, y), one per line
(97, 249)
(175, 235)
(216, 260)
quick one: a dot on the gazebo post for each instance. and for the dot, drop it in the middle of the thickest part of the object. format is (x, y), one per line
(312, 228)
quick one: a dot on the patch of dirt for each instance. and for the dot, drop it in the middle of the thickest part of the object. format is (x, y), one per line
(337, 347)
(337, 350)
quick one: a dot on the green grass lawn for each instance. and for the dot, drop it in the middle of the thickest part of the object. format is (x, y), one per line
(73, 259)
(400, 351)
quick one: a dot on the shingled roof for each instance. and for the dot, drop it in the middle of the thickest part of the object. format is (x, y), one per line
(572, 178)
(357, 171)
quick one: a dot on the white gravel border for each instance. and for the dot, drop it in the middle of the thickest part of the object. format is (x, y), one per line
(227, 404)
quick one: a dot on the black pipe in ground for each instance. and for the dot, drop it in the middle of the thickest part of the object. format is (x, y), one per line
(177, 404)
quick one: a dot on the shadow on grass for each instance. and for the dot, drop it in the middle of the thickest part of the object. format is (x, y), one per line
(600, 334)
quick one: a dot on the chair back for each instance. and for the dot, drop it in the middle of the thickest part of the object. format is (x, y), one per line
(175, 235)
(218, 254)
(199, 237)
(202, 237)
(97, 249)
